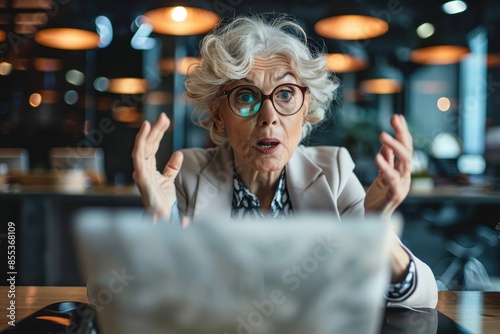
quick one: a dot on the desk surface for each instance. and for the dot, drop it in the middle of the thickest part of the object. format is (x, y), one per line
(477, 193)
(478, 312)
(459, 194)
(51, 190)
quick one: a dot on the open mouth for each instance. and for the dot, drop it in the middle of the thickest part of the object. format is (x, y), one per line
(266, 144)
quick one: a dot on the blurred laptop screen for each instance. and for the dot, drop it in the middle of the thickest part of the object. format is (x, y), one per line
(304, 275)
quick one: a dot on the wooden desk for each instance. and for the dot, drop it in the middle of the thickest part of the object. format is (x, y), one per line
(479, 312)
(32, 298)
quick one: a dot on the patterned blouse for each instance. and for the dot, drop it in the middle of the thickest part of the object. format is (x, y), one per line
(247, 205)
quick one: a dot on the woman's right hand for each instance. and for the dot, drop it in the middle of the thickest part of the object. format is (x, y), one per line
(157, 189)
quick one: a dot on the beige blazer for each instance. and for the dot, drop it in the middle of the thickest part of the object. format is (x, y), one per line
(318, 179)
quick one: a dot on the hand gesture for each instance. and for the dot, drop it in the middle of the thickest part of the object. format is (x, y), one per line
(392, 184)
(157, 189)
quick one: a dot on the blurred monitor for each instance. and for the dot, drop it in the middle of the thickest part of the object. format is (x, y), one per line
(445, 149)
(444, 168)
(16, 159)
(88, 159)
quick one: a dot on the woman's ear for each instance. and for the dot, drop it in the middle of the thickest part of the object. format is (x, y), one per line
(215, 111)
(306, 109)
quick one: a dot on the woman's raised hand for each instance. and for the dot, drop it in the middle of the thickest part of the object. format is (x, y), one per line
(157, 189)
(392, 184)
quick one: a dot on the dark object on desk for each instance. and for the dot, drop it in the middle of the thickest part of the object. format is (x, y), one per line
(421, 321)
(63, 317)
(446, 171)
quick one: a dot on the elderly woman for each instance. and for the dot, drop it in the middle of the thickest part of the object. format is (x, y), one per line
(262, 89)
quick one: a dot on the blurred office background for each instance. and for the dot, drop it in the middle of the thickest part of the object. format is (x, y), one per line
(75, 103)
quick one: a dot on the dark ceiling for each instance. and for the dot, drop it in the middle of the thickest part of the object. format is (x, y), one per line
(403, 16)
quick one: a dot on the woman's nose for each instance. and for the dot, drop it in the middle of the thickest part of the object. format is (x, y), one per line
(267, 114)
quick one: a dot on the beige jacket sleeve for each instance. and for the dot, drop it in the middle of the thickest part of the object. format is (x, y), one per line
(349, 194)
(425, 293)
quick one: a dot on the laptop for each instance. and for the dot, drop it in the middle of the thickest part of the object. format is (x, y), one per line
(307, 274)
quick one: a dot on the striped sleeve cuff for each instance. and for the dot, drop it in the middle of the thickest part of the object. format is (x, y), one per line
(400, 291)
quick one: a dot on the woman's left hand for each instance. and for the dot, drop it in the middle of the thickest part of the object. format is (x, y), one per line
(392, 184)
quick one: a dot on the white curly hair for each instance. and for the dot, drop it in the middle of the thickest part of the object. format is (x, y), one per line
(228, 53)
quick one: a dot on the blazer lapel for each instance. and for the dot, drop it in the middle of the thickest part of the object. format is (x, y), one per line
(215, 182)
(307, 185)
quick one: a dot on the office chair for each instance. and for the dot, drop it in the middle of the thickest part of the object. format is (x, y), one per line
(465, 241)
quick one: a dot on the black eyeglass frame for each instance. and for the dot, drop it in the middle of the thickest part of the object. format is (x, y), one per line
(264, 97)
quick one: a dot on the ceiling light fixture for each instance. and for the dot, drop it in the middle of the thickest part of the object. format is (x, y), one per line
(454, 7)
(128, 86)
(439, 54)
(182, 65)
(440, 49)
(344, 56)
(351, 21)
(47, 64)
(342, 63)
(182, 18)
(68, 38)
(425, 30)
(5, 68)
(382, 79)
(71, 29)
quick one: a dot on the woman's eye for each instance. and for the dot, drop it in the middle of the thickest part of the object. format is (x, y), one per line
(246, 97)
(285, 95)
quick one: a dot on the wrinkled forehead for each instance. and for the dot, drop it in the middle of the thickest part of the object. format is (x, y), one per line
(271, 63)
(270, 69)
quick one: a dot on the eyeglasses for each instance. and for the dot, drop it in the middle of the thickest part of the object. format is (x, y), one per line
(246, 100)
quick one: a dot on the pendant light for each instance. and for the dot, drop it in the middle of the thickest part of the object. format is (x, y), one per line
(351, 20)
(440, 49)
(72, 29)
(382, 78)
(182, 17)
(345, 56)
(446, 45)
